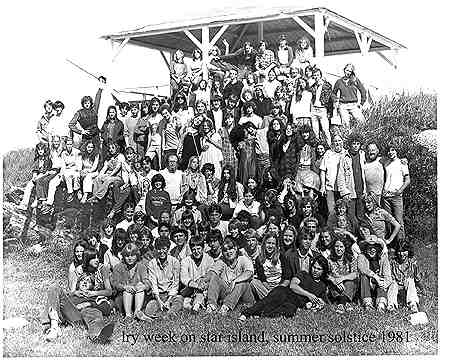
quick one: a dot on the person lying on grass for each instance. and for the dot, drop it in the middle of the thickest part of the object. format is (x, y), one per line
(405, 279)
(304, 290)
(61, 305)
(193, 273)
(130, 279)
(229, 279)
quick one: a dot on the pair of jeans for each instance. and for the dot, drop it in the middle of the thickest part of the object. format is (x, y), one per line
(281, 301)
(219, 290)
(394, 205)
(319, 119)
(65, 306)
(369, 288)
(176, 304)
(356, 208)
(409, 288)
(348, 111)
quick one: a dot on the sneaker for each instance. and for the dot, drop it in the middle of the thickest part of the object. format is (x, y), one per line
(340, 309)
(52, 333)
(367, 304)
(242, 318)
(34, 204)
(196, 308)
(381, 307)
(413, 307)
(141, 316)
(224, 310)
(349, 307)
(187, 303)
(106, 333)
(391, 308)
(210, 308)
(79, 195)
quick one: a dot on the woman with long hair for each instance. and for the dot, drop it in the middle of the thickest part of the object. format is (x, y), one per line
(75, 268)
(89, 158)
(306, 290)
(112, 131)
(211, 144)
(346, 91)
(229, 192)
(190, 143)
(300, 108)
(267, 266)
(274, 138)
(81, 305)
(307, 181)
(110, 174)
(42, 173)
(179, 71)
(194, 181)
(343, 274)
(288, 149)
(303, 54)
(228, 151)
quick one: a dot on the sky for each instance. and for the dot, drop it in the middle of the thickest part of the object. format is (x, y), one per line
(41, 35)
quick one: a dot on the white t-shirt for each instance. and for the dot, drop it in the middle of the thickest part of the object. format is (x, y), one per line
(395, 171)
(222, 227)
(253, 209)
(229, 274)
(124, 224)
(173, 184)
(302, 108)
(374, 176)
(255, 119)
(58, 126)
(218, 118)
(330, 164)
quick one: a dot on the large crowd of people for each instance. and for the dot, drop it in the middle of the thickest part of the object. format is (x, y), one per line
(250, 187)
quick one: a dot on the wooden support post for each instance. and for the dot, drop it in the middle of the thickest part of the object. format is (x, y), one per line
(391, 62)
(319, 37)
(218, 35)
(205, 50)
(193, 39)
(260, 31)
(165, 59)
(238, 39)
(119, 50)
(303, 25)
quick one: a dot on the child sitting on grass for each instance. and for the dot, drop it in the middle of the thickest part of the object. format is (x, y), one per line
(130, 279)
(405, 279)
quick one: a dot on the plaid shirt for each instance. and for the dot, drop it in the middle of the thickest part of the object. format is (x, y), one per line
(229, 155)
(265, 59)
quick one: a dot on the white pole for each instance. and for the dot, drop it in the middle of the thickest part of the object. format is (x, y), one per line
(319, 38)
(205, 51)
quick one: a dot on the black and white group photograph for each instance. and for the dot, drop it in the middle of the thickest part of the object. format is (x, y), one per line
(235, 178)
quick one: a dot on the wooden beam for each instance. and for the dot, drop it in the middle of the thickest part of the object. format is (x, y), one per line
(119, 50)
(304, 25)
(260, 31)
(193, 39)
(359, 28)
(236, 42)
(319, 36)
(234, 21)
(205, 50)
(218, 35)
(391, 62)
(165, 59)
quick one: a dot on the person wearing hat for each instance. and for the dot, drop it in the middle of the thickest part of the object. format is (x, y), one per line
(374, 273)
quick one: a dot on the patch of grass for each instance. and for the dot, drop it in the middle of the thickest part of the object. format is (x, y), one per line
(27, 277)
(17, 166)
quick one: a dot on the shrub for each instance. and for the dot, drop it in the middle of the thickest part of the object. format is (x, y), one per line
(402, 117)
(17, 166)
